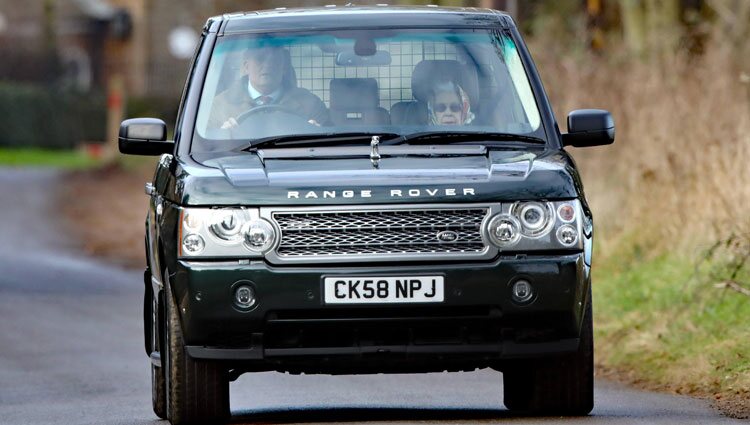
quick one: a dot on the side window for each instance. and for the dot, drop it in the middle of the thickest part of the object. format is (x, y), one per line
(186, 87)
(521, 85)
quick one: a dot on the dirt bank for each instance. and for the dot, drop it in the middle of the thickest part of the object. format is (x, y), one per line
(106, 208)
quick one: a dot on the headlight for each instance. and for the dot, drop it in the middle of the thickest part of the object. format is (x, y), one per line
(225, 232)
(227, 226)
(537, 218)
(191, 221)
(504, 230)
(259, 235)
(567, 235)
(193, 244)
(536, 225)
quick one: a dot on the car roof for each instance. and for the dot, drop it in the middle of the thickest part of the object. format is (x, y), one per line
(356, 17)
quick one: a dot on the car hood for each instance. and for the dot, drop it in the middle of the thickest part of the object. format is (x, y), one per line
(336, 176)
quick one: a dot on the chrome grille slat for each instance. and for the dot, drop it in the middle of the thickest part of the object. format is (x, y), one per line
(366, 238)
(378, 219)
(355, 250)
(383, 232)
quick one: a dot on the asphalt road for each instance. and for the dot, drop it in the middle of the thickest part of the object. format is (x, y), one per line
(71, 350)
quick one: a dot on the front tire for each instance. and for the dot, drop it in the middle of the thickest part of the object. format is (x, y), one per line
(197, 391)
(562, 386)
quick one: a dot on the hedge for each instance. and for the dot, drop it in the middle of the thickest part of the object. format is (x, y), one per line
(40, 116)
(153, 107)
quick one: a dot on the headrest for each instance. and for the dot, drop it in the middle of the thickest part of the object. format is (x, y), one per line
(290, 76)
(427, 73)
(354, 93)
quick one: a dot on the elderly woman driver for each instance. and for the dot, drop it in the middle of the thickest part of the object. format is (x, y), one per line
(449, 105)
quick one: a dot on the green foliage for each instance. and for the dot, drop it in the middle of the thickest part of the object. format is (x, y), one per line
(153, 107)
(37, 116)
(67, 159)
(728, 260)
(667, 320)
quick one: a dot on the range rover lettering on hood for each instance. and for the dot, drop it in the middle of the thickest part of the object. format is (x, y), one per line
(393, 193)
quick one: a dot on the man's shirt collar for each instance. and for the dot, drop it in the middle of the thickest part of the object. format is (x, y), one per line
(255, 94)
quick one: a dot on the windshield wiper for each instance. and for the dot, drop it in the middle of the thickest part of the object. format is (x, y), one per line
(453, 137)
(324, 139)
(335, 139)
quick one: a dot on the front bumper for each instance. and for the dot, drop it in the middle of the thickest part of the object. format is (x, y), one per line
(291, 325)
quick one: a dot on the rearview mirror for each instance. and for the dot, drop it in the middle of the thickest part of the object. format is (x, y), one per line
(365, 46)
(144, 136)
(589, 127)
(350, 58)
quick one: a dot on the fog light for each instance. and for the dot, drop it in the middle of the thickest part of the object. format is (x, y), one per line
(244, 296)
(522, 291)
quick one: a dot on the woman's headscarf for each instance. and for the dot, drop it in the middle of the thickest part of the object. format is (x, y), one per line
(449, 86)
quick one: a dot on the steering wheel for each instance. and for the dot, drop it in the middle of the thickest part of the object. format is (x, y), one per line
(269, 120)
(266, 109)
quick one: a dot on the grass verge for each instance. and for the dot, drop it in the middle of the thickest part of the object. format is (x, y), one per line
(664, 321)
(66, 159)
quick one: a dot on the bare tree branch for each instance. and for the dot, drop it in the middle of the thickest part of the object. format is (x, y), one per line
(735, 286)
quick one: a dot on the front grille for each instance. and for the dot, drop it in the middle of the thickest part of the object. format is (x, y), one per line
(381, 232)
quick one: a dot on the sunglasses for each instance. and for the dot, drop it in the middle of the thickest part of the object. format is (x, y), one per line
(441, 107)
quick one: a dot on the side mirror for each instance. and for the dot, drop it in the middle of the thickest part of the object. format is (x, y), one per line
(589, 127)
(144, 136)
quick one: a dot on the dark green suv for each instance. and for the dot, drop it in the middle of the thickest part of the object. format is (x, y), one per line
(366, 190)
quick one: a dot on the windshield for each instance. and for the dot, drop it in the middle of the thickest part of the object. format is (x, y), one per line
(392, 81)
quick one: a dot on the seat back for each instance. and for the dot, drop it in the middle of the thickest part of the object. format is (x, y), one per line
(409, 113)
(290, 75)
(426, 75)
(356, 101)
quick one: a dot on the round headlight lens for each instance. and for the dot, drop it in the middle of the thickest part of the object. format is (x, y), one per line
(567, 235)
(193, 244)
(227, 226)
(535, 217)
(532, 216)
(259, 235)
(504, 230)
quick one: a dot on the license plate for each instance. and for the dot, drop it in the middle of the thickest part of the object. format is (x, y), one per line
(372, 290)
